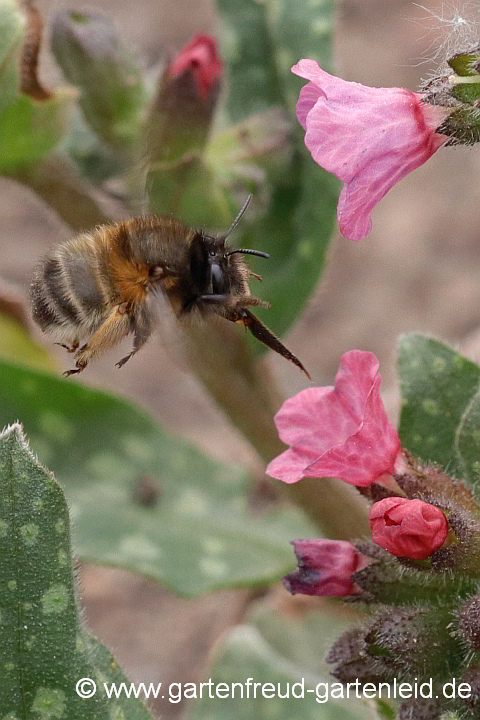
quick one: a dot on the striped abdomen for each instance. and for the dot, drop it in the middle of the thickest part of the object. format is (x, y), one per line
(71, 290)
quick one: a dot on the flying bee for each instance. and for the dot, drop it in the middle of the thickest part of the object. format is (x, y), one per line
(101, 285)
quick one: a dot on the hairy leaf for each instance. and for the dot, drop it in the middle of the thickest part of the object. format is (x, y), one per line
(144, 500)
(44, 648)
(284, 652)
(440, 421)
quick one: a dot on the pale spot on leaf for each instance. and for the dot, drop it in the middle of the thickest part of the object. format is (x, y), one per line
(140, 547)
(29, 534)
(213, 545)
(49, 703)
(212, 567)
(192, 502)
(430, 406)
(55, 599)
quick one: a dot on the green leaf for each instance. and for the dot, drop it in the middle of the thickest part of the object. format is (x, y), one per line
(278, 650)
(30, 129)
(261, 41)
(44, 648)
(12, 22)
(257, 147)
(299, 30)
(17, 346)
(200, 535)
(439, 389)
(468, 443)
(253, 83)
(296, 232)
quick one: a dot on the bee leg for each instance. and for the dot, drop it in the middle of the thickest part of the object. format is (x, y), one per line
(67, 373)
(115, 328)
(70, 348)
(143, 329)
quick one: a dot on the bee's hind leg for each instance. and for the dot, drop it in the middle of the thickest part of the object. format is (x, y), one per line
(112, 331)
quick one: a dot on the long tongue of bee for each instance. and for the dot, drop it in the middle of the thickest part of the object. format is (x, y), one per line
(262, 333)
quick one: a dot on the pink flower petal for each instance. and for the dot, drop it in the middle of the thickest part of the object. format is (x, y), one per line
(340, 432)
(309, 95)
(370, 138)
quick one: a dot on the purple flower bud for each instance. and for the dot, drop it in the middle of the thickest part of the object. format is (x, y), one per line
(324, 567)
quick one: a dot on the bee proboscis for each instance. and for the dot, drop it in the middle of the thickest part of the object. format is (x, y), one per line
(100, 286)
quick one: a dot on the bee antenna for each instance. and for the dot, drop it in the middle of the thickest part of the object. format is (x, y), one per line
(247, 251)
(237, 219)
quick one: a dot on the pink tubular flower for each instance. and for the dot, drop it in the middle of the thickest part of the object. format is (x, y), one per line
(370, 138)
(324, 567)
(342, 431)
(408, 528)
(200, 56)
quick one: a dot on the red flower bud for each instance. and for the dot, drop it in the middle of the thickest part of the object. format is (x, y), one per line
(324, 567)
(201, 59)
(408, 528)
(181, 116)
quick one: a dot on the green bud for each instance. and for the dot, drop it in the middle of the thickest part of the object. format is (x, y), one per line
(415, 642)
(92, 57)
(181, 181)
(465, 64)
(459, 93)
(350, 653)
(468, 623)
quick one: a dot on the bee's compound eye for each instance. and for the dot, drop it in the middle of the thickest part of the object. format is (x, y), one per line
(157, 271)
(218, 279)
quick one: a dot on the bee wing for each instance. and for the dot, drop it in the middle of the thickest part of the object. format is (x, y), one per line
(170, 330)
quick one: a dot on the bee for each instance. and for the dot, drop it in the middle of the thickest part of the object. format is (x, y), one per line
(100, 286)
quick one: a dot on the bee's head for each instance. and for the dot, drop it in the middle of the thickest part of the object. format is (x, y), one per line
(213, 268)
(209, 265)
